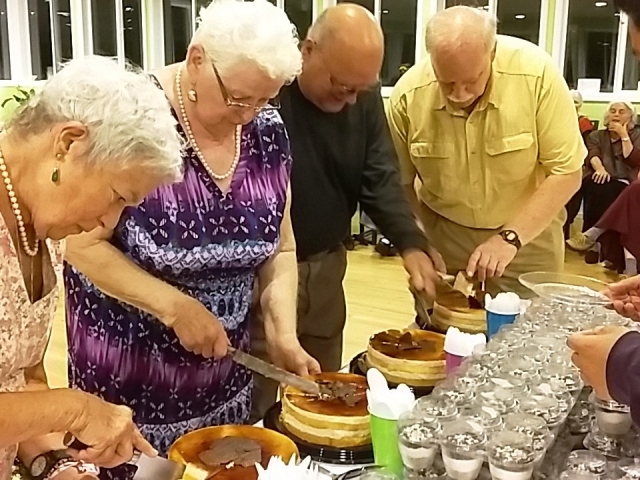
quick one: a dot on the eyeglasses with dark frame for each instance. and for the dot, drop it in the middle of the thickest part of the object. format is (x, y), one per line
(272, 104)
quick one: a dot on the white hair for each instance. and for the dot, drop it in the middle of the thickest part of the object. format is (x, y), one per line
(630, 106)
(456, 25)
(231, 31)
(127, 116)
(577, 98)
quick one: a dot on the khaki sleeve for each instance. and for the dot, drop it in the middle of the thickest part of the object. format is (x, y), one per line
(396, 110)
(561, 147)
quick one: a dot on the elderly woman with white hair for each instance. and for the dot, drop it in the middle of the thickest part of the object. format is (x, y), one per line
(153, 305)
(95, 139)
(612, 164)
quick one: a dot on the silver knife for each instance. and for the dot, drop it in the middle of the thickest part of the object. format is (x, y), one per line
(271, 371)
(149, 468)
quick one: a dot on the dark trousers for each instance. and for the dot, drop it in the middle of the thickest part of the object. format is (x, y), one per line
(322, 314)
(598, 199)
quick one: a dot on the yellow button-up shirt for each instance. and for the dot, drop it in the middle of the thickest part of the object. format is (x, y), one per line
(479, 169)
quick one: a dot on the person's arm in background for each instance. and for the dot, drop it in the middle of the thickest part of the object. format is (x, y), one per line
(593, 162)
(383, 199)
(116, 275)
(397, 124)
(631, 148)
(278, 283)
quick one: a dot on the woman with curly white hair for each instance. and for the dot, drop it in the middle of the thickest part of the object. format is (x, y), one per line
(153, 305)
(96, 139)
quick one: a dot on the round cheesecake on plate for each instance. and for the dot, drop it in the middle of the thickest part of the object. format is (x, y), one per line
(452, 309)
(413, 357)
(338, 418)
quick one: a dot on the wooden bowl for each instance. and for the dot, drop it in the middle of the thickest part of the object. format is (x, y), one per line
(187, 449)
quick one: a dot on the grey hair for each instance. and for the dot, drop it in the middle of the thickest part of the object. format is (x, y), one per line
(456, 25)
(231, 31)
(128, 118)
(630, 106)
(577, 98)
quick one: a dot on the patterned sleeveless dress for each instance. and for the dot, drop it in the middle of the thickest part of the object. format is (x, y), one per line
(208, 245)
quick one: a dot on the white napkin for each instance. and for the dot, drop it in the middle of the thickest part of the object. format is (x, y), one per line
(504, 304)
(462, 344)
(278, 470)
(384, 402)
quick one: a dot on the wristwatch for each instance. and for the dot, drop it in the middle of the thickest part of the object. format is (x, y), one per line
(512, 238)
(49, 464)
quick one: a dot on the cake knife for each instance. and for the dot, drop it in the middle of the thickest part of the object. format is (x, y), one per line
(271, 371)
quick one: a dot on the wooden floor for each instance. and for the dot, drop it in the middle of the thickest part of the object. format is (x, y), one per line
(377, 299)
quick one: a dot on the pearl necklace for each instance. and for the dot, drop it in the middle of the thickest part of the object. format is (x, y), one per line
(192, 138)
(22, 230)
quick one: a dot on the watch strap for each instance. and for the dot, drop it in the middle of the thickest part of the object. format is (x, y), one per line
(512, 238)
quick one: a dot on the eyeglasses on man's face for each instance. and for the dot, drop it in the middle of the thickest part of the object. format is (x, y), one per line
(343, 87)
(271, 104)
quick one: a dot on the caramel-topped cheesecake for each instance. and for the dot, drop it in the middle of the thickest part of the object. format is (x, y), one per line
(453, 309)
(338, 418)
(413, 357)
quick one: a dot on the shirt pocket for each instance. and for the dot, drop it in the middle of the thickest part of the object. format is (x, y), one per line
(433, 163)
(511, 157)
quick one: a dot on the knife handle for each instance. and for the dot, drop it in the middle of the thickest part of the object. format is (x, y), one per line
(73, 443)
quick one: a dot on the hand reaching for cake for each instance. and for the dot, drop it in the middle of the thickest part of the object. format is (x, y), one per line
(287, 353)
(491, 258)
(421, 270)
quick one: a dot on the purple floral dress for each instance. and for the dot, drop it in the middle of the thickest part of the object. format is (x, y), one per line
(208, 245)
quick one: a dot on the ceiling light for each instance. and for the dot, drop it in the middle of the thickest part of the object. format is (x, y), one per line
(385, 11)
(521, 16)
(601, 4)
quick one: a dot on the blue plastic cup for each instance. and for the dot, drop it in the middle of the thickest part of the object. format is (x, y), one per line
(496, 320)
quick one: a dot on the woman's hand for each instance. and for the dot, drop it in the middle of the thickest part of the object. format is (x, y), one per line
(108, 430)
(287, 353)
(622, 130)
(601, 176)
(198, 330)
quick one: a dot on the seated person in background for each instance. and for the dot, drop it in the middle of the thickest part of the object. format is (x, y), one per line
(611, 165)
(586, 127)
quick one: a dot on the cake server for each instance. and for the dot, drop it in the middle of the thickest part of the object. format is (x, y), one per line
(149, 468)
(271, 371)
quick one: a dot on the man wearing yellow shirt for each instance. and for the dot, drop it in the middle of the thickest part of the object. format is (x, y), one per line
(488, 127)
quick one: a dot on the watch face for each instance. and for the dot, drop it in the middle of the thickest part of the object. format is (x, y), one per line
(511, 236)
(38, 466)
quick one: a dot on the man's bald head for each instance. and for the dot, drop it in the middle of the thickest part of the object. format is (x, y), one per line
(461, 42)
(343, 55)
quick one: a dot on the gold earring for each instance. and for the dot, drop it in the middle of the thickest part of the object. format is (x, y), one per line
(192, 95)
(55, 176)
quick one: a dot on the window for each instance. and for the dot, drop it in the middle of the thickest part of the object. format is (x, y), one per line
(470, 3)
(132, 28)
(368, 4)
(178, 28)
(5, 64)
(103, 22)
(301, 14)
(520, 18)
(399, 22)
(40, 36)
(631, 76)
(592, 39)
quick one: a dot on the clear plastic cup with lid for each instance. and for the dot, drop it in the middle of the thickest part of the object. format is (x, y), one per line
(490, 418)
(565, 373)
(460, 392)
(556, 389)
(521, 368)
(516, 386)
(463, 443)
(418, 439)
(544, 407)
(532, 425)
(503, 401)
(511, 456)
(628, 469)
(613, 418)
(571, 475)
(435, 407)
(535, 354)
(587, 461)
